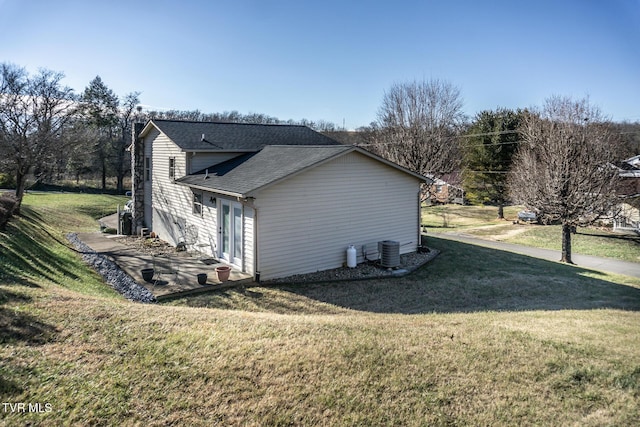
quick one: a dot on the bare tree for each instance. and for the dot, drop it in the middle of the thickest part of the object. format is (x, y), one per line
(33, 112)
(629, 139)
(417, 126)
(78, 160)
(562, 168)
(237, 117)
(125, 118)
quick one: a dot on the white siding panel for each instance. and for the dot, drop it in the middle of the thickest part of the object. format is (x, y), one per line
(248, 249)
(168, 202)
(172, 205)
(307, 222)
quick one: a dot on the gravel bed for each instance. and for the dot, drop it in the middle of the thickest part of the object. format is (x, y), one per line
(366, 270)
(113, 275)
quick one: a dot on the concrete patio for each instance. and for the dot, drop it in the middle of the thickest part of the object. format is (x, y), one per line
(175, 273)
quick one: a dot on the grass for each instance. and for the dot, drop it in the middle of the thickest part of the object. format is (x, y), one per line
(441, 218)
(480, 221)
(491, 280)
(34, 247)
(506, 340)
(586, 241)
(72, 211)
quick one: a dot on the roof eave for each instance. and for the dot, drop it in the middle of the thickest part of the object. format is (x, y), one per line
(253, 192)
(147, 128)
(212, 190)
(218, 150)
(351, 149)
(393, 165)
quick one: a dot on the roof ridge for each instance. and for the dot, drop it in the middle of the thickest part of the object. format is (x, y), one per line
(228, 123)
(309, 146)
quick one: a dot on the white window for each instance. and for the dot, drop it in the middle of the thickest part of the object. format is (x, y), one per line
(197, 203)
(172, 167)
(147, 168)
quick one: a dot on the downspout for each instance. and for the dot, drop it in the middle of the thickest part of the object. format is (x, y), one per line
(256, 272)
(419, 228)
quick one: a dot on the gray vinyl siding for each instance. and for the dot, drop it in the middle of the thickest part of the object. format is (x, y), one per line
(306, 223)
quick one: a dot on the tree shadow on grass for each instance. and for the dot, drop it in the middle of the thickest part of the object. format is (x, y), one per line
(469, 278)
(18, 326)
(625, 237)
(29, 249)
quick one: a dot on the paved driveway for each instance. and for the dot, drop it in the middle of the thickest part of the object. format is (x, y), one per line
(595, 263)
(110, 221)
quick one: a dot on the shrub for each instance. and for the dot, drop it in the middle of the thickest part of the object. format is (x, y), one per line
(8, 204)
(7, 180)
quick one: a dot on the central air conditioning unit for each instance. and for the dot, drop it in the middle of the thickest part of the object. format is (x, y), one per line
(389, 251)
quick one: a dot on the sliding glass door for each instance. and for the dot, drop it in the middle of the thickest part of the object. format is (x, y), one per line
(231, 232)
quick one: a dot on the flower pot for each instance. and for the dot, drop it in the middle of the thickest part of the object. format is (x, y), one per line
(223, 272)
(202, 278)
(147, 274)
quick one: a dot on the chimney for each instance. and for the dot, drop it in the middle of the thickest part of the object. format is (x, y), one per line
(137, 178)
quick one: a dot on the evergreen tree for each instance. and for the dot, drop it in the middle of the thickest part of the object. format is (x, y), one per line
(100, 107)
(488, 149)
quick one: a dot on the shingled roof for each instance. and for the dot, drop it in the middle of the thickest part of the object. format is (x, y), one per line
(188, 135)
(247, 173)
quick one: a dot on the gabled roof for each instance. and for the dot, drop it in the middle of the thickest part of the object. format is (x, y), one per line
(629, 168)
(245, 174)
(635, 160)
(452, 179)
(218, 136)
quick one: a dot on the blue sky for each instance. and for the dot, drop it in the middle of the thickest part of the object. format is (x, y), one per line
(333, 60)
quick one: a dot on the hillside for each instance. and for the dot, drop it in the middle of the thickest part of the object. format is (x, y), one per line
(474, 338)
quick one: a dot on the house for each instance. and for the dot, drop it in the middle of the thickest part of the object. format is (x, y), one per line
(271, 200)
(446, 189)
(628, 211)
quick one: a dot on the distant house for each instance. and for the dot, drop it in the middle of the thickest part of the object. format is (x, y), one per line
(447, 189)
(271, 200)
(629, 192)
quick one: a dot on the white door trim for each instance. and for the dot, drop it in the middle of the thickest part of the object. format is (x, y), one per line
(230, 236)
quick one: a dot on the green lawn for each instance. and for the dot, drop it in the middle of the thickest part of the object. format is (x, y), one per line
(586, 241)
(73, 211)
(480, 221)
(442, 218)
(34, 247)
(476, 337)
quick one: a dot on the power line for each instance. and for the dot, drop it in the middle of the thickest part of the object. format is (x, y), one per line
(487, 171)
(466, 145)
(501, 132)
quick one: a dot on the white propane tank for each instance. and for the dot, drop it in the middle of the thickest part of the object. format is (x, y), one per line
(351, 256)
